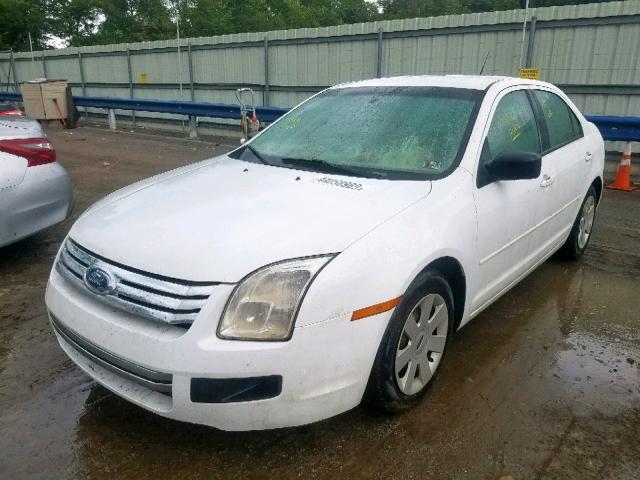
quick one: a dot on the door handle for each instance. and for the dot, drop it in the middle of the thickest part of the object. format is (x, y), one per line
(546, 181)
(587, 157)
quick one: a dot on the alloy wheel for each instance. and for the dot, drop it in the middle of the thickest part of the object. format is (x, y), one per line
(586, 221)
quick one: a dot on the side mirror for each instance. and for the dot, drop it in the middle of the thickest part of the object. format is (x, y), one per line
(514, 166)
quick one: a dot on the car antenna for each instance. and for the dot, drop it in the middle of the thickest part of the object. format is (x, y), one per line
(484, 63)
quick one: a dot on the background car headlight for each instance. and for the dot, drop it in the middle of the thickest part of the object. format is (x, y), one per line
(264, 305)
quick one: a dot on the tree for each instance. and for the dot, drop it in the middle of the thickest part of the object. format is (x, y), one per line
(18, 19)
(264, 15)
(493, 5)
(215, 17)
(133, 21)
(424, 8)
(336, 12)
(200, 18)
(75, 20)
(90, 22)
(420, 8)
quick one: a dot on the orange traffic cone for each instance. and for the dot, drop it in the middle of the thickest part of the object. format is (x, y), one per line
(623, 178)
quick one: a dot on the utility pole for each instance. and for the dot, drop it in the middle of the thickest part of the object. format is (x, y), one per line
(524, 31)
(31, 48)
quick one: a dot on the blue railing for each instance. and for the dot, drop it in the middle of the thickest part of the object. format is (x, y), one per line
(11, 96)
(178, 107)
(617, 127)
(612, 127)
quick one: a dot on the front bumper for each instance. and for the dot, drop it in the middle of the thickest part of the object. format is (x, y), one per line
(323, 368)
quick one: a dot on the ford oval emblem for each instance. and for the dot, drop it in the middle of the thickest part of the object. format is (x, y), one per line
(99, 281)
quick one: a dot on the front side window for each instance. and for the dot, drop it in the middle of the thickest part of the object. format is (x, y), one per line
(562, 124)
(513, 127)
(384, 132)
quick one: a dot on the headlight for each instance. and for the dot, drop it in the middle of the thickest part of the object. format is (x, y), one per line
(264, 305)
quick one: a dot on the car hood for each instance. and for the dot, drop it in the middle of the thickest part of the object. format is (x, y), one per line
(223, 218)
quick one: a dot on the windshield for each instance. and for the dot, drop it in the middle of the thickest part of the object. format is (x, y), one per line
(387, 132)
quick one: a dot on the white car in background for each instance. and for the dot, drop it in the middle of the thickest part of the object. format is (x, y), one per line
(35, 191)
(331, 258)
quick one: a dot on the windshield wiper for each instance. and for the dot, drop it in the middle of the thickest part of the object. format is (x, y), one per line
(324, 166)
(256, 154)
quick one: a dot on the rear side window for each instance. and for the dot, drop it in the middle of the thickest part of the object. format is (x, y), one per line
(513, 127)
(562, 124)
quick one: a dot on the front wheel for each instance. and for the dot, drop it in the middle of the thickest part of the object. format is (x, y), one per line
(413, 346)
(580, 234)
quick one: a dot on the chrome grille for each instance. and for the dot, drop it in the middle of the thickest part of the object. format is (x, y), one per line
(176, 302)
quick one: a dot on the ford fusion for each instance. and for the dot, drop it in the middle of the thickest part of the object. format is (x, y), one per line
(329, 260)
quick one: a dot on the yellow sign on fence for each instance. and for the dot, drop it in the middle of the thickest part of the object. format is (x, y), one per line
(144, 78)
(530, 73)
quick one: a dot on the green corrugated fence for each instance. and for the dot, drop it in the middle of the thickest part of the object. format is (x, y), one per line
(591, 51)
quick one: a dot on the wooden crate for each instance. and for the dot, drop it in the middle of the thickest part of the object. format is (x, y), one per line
(38, 99)
(54, 90)
(32, 100)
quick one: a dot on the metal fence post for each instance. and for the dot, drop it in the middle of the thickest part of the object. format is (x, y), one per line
(379, 57)
(193, 123)
(112, 119)
(44, 65)
(133, 113)
(82, 82)
(193, 129)
(266, 94)
(12, 68)
(531, 43)
(9, 73)
(190, 61)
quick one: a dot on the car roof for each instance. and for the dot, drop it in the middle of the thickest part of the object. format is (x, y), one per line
(475, 82)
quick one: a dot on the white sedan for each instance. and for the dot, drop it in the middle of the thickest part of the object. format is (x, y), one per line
(330, 259)
(35, 191)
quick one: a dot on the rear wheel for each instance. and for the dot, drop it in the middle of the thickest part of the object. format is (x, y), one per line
(413, 346)
(580, 234)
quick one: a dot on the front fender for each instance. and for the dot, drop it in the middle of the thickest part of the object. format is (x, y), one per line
(381, 265)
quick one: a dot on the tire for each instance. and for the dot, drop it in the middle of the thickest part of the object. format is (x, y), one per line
(390, 390)
(580, 234)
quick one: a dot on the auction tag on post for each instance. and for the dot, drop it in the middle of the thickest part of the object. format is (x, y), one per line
(530, 73)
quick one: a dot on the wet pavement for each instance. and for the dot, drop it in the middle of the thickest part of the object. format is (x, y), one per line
(543, 384)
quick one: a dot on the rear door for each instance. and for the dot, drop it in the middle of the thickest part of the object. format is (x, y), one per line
(511, 214)
(566, 148)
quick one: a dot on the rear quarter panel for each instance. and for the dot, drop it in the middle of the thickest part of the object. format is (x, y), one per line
(12, 170)
(596, 143)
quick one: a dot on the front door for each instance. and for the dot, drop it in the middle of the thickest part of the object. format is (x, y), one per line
(511, 213)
